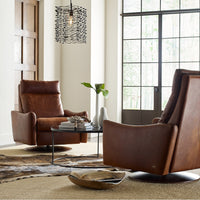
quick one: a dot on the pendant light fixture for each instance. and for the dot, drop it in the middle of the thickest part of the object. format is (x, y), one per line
(71, 24)
(70, 14)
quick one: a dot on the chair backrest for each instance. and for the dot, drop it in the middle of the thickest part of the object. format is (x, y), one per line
(41, 97)
(186, 115)
(176, 86)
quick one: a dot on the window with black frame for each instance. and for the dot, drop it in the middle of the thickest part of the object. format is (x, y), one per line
(159, 36)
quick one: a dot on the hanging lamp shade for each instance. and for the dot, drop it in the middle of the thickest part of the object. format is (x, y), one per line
(71, 24)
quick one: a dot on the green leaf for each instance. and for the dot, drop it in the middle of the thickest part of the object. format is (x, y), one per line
(87, 85)
(99, 87)
(105, 93)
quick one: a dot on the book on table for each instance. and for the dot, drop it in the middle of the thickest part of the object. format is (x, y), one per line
(71, 126)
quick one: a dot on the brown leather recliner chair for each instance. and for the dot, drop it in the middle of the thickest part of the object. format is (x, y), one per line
(40, 108)
(170, 145)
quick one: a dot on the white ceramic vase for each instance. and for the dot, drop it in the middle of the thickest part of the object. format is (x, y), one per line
(103, 116)
(96, 118)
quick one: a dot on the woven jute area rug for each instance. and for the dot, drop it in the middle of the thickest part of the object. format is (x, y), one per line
(59, 187)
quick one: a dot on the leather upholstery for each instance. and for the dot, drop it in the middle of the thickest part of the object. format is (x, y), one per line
(161, 148)
(45, 124)
(40, 109)
(45, 92)
(145, 148)
(68, 113)
(19, 99)
(24, 127)
(44, 138)
(187, 150)
(178, 110)
(50, 104)
(155, 120)
(40, 87)
(177, 81)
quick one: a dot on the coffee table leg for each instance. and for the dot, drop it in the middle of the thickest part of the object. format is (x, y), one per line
(52, 159)
(98, 146)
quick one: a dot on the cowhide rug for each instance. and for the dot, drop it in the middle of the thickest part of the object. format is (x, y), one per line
(20, 167)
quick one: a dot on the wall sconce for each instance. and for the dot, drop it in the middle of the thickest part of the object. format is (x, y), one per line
(71, 24)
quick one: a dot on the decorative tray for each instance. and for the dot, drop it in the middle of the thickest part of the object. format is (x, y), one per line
(101, 179)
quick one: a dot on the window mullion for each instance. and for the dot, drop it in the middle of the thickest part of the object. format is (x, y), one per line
(160, 61)
(141, 62)
(179, 59)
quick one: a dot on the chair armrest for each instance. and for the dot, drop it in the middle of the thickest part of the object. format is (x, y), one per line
(24, 127)
(146, 148)
(68, 113)
(155, 120)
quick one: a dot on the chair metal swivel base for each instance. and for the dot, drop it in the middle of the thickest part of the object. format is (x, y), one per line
(48, 148)
(177, 177)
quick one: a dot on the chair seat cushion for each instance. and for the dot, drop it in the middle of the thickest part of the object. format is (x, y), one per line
(45, 124)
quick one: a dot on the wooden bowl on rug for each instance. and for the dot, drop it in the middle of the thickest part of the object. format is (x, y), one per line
(100, 179)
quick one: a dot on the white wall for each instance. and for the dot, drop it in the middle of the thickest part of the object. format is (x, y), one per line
(97, 50)
(76, 61)
(6, 70)
(49, 49)
(113, 59)
(85, 62)
(99, 60)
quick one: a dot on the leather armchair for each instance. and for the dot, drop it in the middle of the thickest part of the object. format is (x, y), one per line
(170, 144)
(40, 108)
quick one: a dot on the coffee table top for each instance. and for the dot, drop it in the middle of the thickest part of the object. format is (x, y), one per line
(77, 130)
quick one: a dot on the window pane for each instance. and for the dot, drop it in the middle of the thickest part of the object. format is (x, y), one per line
(170, 50)
(170, 26)
(168, 70)
(131, 27)
(131, 50)
(190, 66)
(132, 6)
(147, 98)
(150, 27)
(131, 75)
(189, 49)
(150, 50)
(190, 24)
(169, 4)
(166, 92)
(131, 98)
(149, 74)
(150, 5)
(186, 4)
